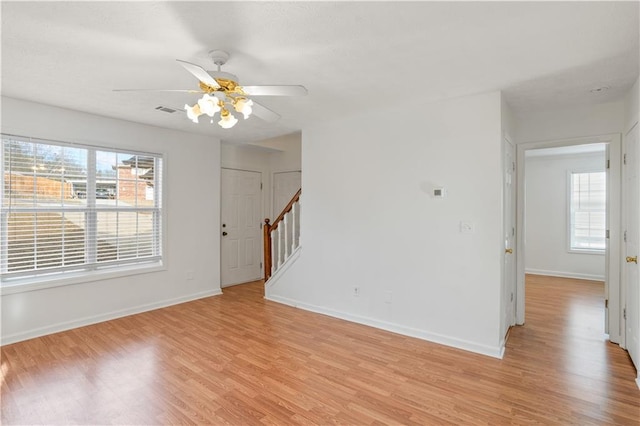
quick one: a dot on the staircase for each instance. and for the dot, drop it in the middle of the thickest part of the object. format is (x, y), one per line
(282, 237)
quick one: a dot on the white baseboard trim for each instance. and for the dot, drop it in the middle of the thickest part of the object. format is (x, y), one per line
(638, 381)
(495, 352)
(562, 274)
(94, 319)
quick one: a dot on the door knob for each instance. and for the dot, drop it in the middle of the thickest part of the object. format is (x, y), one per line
(509, 251)
(224, 234)
(633, 259)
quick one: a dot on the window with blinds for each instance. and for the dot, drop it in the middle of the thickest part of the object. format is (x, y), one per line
(68, 207)
(588, 198)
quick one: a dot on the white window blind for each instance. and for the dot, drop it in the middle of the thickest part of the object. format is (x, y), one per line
(71, 207)
(588, 199)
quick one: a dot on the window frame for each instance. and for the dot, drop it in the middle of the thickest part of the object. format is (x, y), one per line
(569, 196)
(86, 272)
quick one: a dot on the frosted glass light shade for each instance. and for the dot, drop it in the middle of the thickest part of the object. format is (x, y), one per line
(193, 112)
(209, 105)
(228, 120)
(244, 106)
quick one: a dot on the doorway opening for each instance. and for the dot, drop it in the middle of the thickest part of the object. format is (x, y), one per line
(568, 221)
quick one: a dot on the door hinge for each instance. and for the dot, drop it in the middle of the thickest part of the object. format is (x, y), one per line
(624, 313)
(260, 186)
(624, 159)
(513, 231)
(606, 303)
(625, 236)
(608, 164)
(513, 164)
(607, 234)
(260, 265)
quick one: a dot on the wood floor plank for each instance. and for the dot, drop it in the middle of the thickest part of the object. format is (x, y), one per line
(238, 359)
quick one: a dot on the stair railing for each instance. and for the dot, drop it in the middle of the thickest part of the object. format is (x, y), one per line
(281, 237)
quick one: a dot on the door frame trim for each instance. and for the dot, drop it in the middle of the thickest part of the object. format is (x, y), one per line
(512, 320)
(623, 263)
(614, 224)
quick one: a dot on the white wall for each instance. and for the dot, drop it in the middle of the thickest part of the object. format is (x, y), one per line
(246, 157)
(508, 119)
(269, 156)
(288, 152)
(546, 216)
(370, 221)
(287, 157)
(578, 121)
(192, 241)
(631, 108)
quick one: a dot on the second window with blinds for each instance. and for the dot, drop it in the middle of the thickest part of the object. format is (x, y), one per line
(587, 211)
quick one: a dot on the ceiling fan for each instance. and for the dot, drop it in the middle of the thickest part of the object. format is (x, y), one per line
(221, 92)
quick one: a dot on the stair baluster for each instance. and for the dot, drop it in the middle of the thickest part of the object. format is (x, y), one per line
(279, 242)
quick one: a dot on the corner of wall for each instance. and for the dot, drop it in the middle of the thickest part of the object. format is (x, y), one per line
(631, 106)
(507, 119)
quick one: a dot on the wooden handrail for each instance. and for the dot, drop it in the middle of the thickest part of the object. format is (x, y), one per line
(266, 231)
(287, 209)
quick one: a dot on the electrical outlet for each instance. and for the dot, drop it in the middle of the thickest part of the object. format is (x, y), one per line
(356, 291)
(388, 297)
(189, 275)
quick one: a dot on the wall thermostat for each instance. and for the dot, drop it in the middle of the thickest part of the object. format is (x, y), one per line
(438, 192)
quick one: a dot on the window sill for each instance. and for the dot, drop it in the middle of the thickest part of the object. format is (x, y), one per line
(23, 285)
(587, 251)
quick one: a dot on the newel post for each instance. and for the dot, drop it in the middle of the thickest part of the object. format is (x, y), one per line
(266, 230)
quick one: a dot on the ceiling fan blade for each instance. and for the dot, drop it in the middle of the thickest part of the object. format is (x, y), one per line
(264, 113)
(199, 73)
(159, 90)
(275, 90)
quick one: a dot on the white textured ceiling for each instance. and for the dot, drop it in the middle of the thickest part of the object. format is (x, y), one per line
(351, 56)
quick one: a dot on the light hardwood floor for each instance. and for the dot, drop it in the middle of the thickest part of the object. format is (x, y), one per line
(238, 359)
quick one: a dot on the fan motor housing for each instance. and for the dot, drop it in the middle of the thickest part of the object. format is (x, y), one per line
(221, 75)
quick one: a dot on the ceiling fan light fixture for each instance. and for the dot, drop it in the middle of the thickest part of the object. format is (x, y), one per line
(227, 120)
(243, 106)
(208, 105)
(221, 92)
(193, 112)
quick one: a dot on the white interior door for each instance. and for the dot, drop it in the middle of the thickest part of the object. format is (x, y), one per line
(285, 186)
(632, 244)
(509, 232)
(241, 239)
